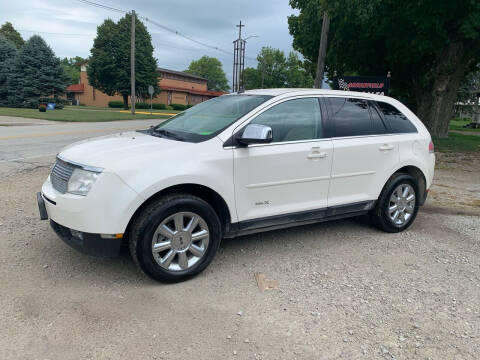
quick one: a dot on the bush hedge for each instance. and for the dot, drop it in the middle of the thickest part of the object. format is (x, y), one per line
(115, 104)
(179, 106)
(159, 106)
(34, 103)
(138, 105)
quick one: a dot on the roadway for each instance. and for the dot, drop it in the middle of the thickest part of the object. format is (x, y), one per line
(29, 143)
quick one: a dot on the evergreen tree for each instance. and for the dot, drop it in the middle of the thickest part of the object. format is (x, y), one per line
(8, 51)
(12, 35)
(109, 66)
(36, 73)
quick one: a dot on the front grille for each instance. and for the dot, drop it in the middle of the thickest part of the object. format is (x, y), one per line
(60, 175)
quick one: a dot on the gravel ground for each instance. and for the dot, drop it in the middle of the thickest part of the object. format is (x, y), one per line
(345, 290)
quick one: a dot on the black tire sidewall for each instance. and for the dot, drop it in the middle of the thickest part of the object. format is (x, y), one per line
(146, 230)
(382, 215)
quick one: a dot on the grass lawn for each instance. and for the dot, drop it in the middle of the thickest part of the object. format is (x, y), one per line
(457, 142)
(458, 123)
(83, 114)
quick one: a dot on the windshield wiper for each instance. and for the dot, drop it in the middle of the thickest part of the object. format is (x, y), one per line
(167, 134)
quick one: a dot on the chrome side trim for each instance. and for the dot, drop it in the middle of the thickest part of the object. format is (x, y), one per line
(285, 182)
(339, 176)
(81, 166)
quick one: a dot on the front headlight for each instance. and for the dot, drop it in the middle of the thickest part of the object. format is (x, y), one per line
(81, 181)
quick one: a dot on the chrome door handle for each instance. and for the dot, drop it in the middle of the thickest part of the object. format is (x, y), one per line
(386, 147)
(317, 155)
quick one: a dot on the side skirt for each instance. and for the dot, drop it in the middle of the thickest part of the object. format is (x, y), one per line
(300, 218)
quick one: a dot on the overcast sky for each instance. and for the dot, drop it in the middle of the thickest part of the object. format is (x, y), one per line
(209, 21)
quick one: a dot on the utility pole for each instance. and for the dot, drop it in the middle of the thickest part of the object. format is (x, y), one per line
(238, 60)
(322, 51)
(132, 63)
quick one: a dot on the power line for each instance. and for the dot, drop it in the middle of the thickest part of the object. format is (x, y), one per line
(166, 28)
(102, 6)
(53, 33)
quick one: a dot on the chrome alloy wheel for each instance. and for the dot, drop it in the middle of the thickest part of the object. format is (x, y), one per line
(180, 241)
(402, 204)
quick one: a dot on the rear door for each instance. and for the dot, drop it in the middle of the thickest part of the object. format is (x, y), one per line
(292, 173)
(365, 154)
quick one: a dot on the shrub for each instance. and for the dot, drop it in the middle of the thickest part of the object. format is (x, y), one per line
(168, 107)
(115, 104)
(178, 106)
(159, 106)
(42, 108)
(142, 105)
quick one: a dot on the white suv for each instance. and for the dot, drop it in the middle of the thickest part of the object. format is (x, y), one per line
(239, 164)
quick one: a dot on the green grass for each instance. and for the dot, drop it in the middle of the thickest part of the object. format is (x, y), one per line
(458, 123)
(84, 115)
(457, 143)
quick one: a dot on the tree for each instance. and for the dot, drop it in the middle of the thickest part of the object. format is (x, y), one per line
(11, 34)
(276, 71)
(109, 65)
(8, 51)
(211, 69)
(428, 46)
(71, 67)
(36, 73)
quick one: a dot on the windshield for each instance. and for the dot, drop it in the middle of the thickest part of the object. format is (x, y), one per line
(209, 118)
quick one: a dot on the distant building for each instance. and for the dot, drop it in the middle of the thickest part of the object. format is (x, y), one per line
(176, 88)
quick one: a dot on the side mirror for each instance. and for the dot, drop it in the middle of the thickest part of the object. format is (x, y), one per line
(256, 134)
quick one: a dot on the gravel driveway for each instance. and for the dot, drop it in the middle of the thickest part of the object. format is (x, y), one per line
(345, 290)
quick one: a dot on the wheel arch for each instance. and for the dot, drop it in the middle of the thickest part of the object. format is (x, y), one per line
(419, 175)
(205, 193)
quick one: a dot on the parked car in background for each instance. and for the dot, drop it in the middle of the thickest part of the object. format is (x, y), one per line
(235, 165)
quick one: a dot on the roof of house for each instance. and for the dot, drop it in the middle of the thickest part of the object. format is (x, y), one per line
(75, 88)
(181, 73)
(192, 91)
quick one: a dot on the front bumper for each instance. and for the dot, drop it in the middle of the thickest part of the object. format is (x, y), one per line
(87, 243)
(107, 209)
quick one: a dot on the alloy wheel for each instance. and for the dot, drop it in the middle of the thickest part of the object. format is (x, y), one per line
(180, 241)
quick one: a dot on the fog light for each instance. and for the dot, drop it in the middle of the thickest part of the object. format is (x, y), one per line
(76, 234)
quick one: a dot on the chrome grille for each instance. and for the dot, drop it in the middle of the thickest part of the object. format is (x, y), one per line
(60, 175)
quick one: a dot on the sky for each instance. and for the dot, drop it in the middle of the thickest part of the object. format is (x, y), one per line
(209, 21)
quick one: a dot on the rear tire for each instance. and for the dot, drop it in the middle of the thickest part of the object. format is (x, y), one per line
(175, 238)
(397, 206)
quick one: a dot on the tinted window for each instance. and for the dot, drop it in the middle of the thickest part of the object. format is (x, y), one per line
(397, 122)
(351, 117)
(378, 127)
(292, 120)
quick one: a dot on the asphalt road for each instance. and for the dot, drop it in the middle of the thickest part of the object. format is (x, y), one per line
(29, 143)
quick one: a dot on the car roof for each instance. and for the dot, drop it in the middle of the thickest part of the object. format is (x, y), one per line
(298, 91)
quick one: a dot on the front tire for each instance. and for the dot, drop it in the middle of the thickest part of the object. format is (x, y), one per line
(175, 238)
(397, 206)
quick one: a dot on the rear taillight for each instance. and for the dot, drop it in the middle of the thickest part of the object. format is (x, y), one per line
(431, 147)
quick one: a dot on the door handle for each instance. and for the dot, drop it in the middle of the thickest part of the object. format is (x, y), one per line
(317, 154)
(386, 147)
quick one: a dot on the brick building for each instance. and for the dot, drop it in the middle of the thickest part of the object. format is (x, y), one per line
(176, 88)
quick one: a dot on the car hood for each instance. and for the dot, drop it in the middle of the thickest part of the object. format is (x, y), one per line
(124, 150)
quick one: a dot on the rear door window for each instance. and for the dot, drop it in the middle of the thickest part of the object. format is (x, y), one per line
(397, 122)
(351, 116)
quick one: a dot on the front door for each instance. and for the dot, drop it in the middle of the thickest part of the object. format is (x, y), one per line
(292, 173)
